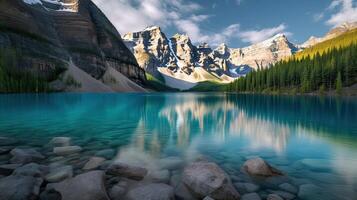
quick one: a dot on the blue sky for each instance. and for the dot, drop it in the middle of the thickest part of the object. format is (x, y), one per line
(235, 22)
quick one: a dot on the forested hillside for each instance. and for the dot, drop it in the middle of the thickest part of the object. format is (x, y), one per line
(14, 80)
(326, 66)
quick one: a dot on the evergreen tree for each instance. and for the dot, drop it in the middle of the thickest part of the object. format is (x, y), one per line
(339, 84)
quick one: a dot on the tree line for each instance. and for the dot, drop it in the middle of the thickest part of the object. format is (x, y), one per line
(14, 80)
(330, 70)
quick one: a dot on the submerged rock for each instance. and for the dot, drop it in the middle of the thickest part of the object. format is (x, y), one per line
(87, 186)
(106, 153)
(162, 176)
(16, 187)
(62, 151)
(8, 169)
(127, 171)
(60, 173)
(207, 179)
(31, 169)
(289, 188)
(61, 141)
(116, 192)
(23, 156)
(251, 196)
(5, 150)
(50, 195)
(93, 163)
(246, 187)
(154, 191)
(274, 197)
(258, 167)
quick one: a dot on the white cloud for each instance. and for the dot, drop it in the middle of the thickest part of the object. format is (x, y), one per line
(318, 17)
(347, 12)
(135, 15)
(254, 36)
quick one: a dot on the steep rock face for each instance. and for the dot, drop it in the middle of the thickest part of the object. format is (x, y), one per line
(177, 59)
(51, 35)
(263, 54)
(337, 31)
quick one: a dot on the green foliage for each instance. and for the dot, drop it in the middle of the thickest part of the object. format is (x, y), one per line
(339, 84)
(70, 81)
(12, 80)
(208, 86)
(341, 41)
(308, 73)
(157, 84)
(322, 89)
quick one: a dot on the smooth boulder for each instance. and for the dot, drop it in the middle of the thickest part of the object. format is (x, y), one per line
(67, 150)
(87, 186)
(24, 156)
(127, 171)
(154, 191)
(31, 169)
(17, 187)
(93, 163)
(59, 173)
(258, 167)
(208, 179)
(7, 169)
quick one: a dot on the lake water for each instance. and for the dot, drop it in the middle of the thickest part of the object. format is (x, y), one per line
(313, 140)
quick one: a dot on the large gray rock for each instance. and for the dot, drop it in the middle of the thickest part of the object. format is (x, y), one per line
(154, 191)
(87, 186)
(93, 163)
(17, 187)
(207, 179)
(127, 171)
(67, 150)
(23, 156)
(31, 169)
(258, 167)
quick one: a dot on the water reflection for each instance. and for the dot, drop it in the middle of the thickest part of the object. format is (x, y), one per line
(294, 131)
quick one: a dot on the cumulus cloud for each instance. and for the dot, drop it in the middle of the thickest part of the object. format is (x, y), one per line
(135, 15)
(254, 36)
(346, 12)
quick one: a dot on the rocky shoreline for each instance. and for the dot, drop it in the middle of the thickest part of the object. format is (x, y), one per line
(61, 171)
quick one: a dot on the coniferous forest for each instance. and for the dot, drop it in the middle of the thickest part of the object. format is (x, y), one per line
(320, 68)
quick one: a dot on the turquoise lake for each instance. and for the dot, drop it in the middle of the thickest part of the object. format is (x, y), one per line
(313, 140)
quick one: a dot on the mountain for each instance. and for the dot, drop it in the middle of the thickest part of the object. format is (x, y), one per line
(335, 32)
(181, 64)
(68, 43)
(329, 66)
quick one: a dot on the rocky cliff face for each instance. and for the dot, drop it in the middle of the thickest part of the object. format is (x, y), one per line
(178, 59)
(51, 35)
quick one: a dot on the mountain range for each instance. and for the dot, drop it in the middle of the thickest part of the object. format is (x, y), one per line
(73, 46)
(182, 65)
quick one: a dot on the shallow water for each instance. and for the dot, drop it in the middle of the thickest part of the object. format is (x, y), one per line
(313, 140)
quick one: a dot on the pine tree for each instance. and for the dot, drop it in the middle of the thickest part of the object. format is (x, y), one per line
(339, 84)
